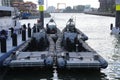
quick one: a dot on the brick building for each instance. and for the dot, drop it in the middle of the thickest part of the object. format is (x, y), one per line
(25, 6)
(12, 1)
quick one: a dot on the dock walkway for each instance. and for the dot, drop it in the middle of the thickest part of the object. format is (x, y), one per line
(10, 48)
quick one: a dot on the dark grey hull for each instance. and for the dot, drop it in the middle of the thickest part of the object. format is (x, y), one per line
(55, 54)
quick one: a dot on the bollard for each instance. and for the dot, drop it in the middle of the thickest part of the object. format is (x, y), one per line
(111, 26)
(23, 35)
(34, 28)
(3, 44)
(14, 39)
(29, 32)
(12, 30)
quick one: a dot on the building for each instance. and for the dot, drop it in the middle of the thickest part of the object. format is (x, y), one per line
(25, 6)
(51, 9)
(8, 2)
(87, 8)
(107, 5)
(5, 2)
(12, 1)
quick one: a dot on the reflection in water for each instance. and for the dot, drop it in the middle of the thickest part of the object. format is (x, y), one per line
(28, 75)
(82, 75)
(47, 75)
(114, 66)
(117, 46)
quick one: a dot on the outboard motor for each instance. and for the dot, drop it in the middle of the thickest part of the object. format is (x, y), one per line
(48, 61)
(61, 63)
(51, 27)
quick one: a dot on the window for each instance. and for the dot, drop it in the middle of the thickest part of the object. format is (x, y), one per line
(5, 13)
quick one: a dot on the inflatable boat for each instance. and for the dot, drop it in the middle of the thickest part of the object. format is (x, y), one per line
(50, 46)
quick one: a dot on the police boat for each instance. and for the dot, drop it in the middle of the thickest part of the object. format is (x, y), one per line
(73, 52)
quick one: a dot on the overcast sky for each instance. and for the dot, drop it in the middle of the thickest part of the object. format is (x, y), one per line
(93, 3)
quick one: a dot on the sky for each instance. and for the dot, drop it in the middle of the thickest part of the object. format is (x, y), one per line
(93, 3)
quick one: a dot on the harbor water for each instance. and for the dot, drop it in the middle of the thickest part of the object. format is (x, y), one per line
(97, 28)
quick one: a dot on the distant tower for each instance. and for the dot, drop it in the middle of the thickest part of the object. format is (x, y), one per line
(58, 5)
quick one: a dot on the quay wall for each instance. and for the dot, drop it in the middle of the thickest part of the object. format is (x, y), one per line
(101, 13)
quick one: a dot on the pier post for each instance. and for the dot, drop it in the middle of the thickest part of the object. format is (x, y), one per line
(29, 31)
(14, 39)
(111, 26)
(12, 30)
(34, 28)
(117, 21)
(3, 44)
(41, 9)
(23, 35)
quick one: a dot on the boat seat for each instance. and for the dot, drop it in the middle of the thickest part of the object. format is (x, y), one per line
(39, 42)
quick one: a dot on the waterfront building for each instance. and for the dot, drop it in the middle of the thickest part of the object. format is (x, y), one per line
(12, 1)
(25, 6)
(107, 5)
(5, 2)
(51, 9)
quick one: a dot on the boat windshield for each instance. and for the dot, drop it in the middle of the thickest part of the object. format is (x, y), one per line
(52, 26)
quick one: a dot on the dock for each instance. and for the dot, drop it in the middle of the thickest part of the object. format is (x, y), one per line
(10, 49)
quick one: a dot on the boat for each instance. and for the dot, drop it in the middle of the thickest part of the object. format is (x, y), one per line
(74, 52)
(38, 51)
(50, 47)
